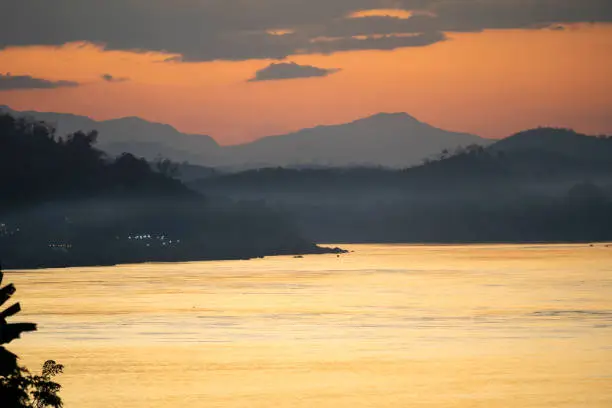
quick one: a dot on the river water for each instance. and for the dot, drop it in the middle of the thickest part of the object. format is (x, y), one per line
(390, 326)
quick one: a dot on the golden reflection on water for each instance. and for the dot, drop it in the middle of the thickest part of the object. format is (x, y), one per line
(384, 326)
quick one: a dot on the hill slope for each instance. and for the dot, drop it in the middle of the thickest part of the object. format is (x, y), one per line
(561, 142)
(385, 139)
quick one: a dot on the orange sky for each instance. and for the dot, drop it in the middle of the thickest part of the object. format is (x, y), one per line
(491, 83)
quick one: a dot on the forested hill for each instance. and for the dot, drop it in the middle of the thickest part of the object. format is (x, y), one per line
(544, 159)
(520, 189)
(65, 203)
(38, 166)
(558, 142)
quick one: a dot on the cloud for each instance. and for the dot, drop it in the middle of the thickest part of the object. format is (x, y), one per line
(477, 15)
(110, 78)
(10, 82)
(206, 30)
(290, 70)
(384, 42)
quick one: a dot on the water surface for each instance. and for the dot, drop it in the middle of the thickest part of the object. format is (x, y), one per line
(385, 326)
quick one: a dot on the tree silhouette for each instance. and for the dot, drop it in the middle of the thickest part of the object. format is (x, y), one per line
(167, 167)
(18, 387)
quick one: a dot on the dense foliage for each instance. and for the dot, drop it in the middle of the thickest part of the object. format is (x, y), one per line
(18, 387)
(21, 389)
(37, 165)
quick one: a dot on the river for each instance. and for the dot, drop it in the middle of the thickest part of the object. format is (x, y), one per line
(389, 326)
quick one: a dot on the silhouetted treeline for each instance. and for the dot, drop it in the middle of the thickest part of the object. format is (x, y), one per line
(63, 202)
(19, 388)
(37, 165)
(539, 185)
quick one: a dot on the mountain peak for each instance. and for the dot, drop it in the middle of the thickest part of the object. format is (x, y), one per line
(135, 121)
(385, 117)
(130, 119)
(393, 115)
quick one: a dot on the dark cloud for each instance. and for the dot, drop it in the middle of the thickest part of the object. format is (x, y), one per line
(376, 25)
(205, 30)
(10, 82)
(476, 15)
(290, 70)
(385, 42)
(111, 78)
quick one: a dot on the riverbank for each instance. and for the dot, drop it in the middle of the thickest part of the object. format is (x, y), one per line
(65, 260)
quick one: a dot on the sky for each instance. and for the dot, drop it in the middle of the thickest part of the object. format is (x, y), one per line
(242, 69)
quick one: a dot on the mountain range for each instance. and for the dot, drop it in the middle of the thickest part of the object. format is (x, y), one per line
(395, 140)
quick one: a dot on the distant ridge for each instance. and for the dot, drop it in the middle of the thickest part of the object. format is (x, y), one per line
(385, 139)
(559, 141)
(393, 140)
(132, 134)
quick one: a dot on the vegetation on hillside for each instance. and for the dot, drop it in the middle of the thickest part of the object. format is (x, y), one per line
(519, 189)
(64, 203)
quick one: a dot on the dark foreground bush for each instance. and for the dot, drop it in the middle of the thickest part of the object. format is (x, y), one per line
(18, 387)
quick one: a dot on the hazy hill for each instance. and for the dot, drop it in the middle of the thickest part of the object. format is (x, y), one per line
(555, 141)
(386, 139)
(133, 135)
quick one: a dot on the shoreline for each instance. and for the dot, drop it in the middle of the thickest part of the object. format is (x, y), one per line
(328, 248)
(317, 250)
